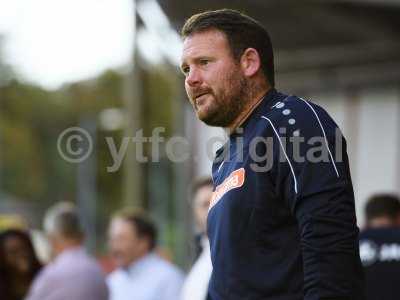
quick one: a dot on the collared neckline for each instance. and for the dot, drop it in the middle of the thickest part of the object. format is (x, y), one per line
(68, 252)
(141, 263)
(265, 100)
(252, 112)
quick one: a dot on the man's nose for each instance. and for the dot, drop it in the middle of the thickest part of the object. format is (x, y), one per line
(193, 78)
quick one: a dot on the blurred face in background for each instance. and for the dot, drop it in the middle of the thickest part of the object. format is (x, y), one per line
(201, 203)
(383, 221)
(125, 245)
(17, 255)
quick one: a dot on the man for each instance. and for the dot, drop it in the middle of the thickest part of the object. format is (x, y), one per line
(383, 211)
(282, 221)
(141, 273)
(380, 247)
(73, 274)
(196, 283)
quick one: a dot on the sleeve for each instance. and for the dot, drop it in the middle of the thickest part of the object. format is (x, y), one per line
(172, 286)
(313, 175)
(42, 286)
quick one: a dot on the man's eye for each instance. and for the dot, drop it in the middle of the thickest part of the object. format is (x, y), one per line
(185, 70)
(204, 61)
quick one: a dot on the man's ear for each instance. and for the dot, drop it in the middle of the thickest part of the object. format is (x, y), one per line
(250, 62)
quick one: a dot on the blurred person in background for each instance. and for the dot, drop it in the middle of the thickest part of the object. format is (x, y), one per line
(141, 274)
(18, 264)
(72, 274)
(196, 283)
(380, 247)
(37, 237)
(382, 211)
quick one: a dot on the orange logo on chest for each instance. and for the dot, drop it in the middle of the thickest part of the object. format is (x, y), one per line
(233, 181)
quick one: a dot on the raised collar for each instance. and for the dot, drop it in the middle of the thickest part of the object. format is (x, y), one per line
(253, 112)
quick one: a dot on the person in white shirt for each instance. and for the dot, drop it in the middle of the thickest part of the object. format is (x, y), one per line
(196, 283)
(141, 274)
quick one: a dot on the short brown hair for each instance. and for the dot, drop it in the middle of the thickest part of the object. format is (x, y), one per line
(241, 31)
(141, 223)
(382, 205)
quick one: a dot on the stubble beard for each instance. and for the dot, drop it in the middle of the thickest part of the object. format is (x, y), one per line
(230, 103)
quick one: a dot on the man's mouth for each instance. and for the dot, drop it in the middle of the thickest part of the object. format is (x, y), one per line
(200, 100)
(200, 95)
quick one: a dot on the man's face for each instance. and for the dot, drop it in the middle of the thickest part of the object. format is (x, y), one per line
(383, 221)
(201, 203)
(124, 243)
(214, 81)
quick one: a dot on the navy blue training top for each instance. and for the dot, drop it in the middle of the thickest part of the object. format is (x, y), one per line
(282, 221)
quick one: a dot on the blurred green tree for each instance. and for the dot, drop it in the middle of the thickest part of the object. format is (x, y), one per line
(32, 118)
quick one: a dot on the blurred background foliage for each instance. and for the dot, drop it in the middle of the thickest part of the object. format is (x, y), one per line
(31, 119)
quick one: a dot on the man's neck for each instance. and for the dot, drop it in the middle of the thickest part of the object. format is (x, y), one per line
(66, 245)
(251, 105)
